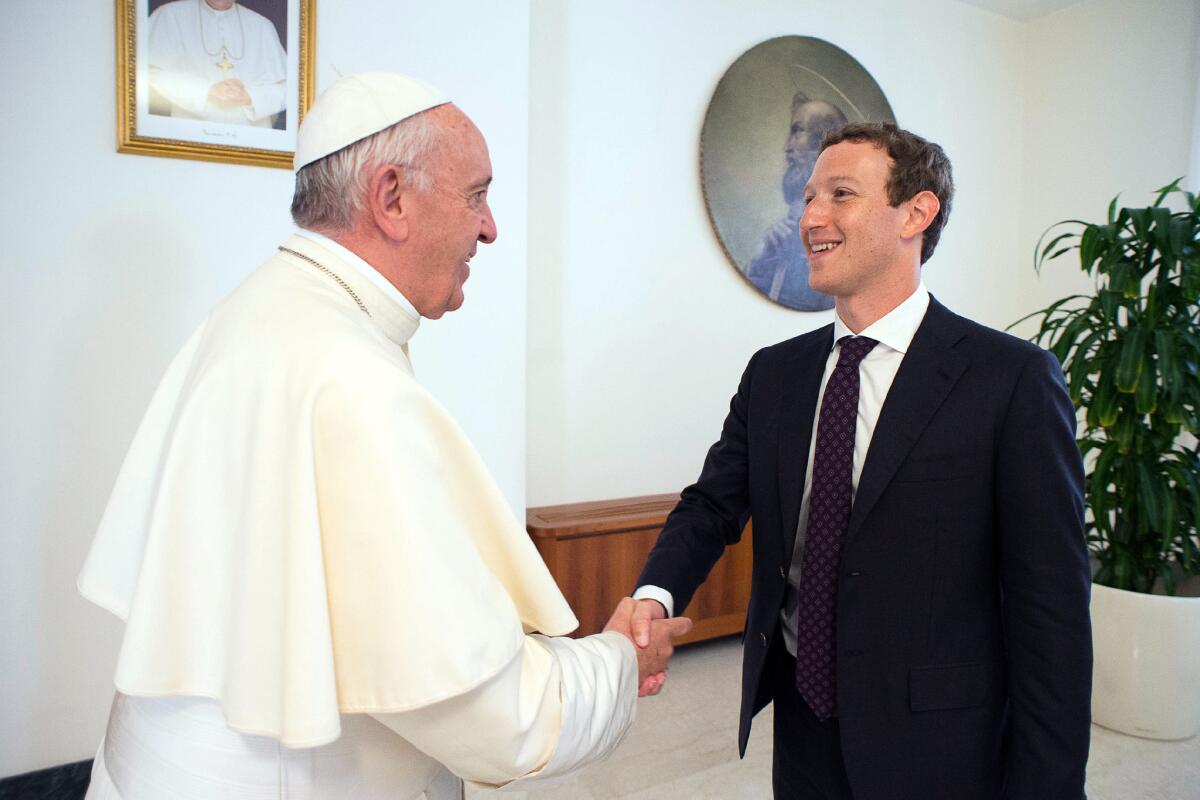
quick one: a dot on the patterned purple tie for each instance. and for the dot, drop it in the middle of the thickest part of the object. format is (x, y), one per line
(828, 518)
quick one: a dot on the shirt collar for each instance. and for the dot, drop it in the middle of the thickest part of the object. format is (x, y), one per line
(896, 328)
(369, 272)
(389, 310)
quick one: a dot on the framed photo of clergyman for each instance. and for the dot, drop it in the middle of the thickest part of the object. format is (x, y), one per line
(214, 80)
(758, 145)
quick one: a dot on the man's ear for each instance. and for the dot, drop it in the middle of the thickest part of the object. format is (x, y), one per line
(388, 199)
(923, 209)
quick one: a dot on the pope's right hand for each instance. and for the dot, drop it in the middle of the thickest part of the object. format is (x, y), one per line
(652, 635)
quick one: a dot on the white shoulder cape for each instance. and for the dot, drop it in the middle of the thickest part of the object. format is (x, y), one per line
(300, 530)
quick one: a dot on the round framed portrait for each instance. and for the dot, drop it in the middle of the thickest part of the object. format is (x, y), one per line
(759, 142)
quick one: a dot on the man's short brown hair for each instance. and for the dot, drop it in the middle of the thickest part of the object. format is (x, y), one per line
(917, 165)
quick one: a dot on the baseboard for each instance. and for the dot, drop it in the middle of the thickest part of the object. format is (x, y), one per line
(64, 782)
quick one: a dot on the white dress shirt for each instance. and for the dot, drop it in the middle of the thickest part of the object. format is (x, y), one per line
(894, 332)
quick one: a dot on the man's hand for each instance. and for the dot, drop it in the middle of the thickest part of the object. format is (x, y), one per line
(229, 93)
(657, 633)
(646, 612)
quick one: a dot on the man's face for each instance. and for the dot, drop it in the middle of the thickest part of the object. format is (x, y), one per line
(810, 122)
(220, 5)
(850, 231)
(451, 218)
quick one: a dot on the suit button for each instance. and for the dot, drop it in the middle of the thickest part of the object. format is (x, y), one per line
(763, 638)
(783, 573)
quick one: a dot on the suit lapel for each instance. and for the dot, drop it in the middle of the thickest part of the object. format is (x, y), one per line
(928, 372)
(801, 383)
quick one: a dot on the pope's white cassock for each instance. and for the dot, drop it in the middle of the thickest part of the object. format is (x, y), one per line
(326, 595)
(188, 40)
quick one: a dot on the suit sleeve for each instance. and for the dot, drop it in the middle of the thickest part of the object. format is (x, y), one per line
(560, 705)
(711, 512)
(1046, 584)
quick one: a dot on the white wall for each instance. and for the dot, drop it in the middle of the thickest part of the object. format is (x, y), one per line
(1110, 97)
(110, 261)
(639, 328)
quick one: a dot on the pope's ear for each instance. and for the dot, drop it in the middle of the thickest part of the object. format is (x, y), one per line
(388, 202)
(923, 209)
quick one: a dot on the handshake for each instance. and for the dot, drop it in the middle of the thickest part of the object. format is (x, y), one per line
(645, 624)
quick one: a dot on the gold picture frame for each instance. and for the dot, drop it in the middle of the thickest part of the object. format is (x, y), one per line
(145, 128)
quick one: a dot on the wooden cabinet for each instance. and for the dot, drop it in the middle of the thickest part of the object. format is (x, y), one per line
(596, 550)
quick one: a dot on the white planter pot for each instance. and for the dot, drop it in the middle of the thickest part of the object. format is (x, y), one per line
(1146, 679)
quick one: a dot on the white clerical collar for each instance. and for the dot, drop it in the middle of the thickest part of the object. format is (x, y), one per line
(216, 12)
(369, 272)
(896, 328)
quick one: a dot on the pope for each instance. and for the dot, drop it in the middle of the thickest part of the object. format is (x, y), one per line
(325, 593)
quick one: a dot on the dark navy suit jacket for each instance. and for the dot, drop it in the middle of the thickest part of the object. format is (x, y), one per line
(964, 660)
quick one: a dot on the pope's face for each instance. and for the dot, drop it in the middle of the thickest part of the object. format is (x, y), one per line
(851, 233)
(451, 218)
(220, 5)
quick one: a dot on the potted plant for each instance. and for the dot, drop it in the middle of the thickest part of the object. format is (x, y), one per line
(1131, 353)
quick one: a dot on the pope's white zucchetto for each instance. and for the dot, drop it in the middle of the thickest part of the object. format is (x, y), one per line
(358, 106)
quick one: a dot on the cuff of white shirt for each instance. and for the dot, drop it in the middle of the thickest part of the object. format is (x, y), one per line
(652, 592)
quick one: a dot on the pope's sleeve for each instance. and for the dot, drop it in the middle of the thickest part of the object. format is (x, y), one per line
(559, 705)
(268, 86)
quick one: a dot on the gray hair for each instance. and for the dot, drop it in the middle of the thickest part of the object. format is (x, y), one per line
(332, 191)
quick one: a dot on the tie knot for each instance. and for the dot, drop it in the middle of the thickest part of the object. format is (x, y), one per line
(854, 349)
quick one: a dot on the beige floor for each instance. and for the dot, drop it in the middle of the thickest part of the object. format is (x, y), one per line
(684, 747)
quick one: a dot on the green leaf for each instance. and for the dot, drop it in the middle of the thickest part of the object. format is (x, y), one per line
(1151, 497)
(1089, 247)
(1162, 232)
(1064, 343)
(1040, 250)
(1168, 578)
(1049, 312)
(1131, 360)
(1146, 396)
(1181, 231)
(1140, 219)
(1047, 248)
(1098, 485)
(1104, 402)
(1122, 571)
(1109, 301)
(1162, 193)
(1125, 430)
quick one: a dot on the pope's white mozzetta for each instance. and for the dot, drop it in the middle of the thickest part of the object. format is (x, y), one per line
(325, 593)
(300, 532)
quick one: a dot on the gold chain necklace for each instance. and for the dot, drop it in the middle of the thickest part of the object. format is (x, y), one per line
(241, 28)
(331, 274)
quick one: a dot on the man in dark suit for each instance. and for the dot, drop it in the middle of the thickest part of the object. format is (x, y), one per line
(919, 607)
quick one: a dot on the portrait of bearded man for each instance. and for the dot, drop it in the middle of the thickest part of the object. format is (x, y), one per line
(779, 268)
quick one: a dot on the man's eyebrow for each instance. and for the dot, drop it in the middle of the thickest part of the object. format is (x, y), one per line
(832, 179)
(482, 184)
